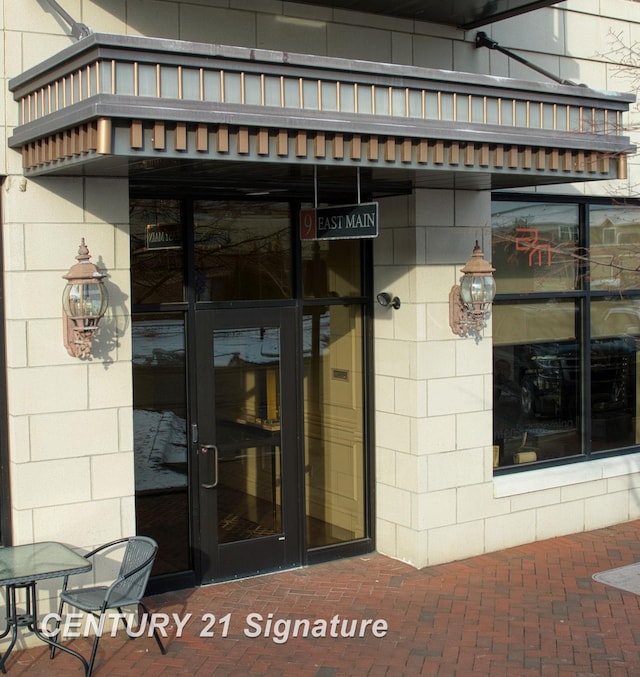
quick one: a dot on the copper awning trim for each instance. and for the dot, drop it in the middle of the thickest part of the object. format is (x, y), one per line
(175, 140)
(146, 68)
(130, 107)
(124, 78)
(236, 84)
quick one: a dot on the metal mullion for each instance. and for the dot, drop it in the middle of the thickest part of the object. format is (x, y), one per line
(584, 325)
(512, 297)
(368, 358)
(191, 370)
(296, 250)
(188, 258)
(584, 322)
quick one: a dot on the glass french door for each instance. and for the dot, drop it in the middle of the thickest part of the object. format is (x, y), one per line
(247, 442)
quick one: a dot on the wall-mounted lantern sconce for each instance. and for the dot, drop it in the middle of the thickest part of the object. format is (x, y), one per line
(470, 301)
(84, 302)
(386, 300)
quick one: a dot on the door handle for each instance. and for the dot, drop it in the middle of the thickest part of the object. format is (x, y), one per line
(205, 449)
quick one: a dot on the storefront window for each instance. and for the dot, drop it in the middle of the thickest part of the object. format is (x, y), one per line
(334, 424)
(565, 348)
(614, 248)
(160, 437)
(242, 250)
(331, 268)
(533, 247)
(537, 381)
(157, 257)
(614, 234)
(615, 343)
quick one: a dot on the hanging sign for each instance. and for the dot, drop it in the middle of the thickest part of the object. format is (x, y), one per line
(339, 223)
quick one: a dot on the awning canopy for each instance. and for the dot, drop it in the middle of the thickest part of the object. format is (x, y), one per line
(459, 13)
(125, 105)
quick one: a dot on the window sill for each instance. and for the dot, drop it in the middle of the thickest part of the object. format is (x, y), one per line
(562, 476)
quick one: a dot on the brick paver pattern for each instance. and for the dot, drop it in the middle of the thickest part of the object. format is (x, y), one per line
(528, 610)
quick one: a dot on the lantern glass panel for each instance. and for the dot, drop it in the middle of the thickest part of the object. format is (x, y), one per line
(477, 289)
(85, 299)
(489, 288)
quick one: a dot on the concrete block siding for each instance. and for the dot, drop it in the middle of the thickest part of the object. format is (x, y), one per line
(71, 437)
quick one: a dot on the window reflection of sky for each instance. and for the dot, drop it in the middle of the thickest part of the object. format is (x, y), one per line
(160, 440)
(160, 444)
(161, 342)
(505, 214)
(157, 341)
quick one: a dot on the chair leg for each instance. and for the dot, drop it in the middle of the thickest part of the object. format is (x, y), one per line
(94, 648)
(122, 619)
(155, 630)
(52, 650)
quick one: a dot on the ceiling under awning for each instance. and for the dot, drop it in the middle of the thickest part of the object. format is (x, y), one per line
(459, 13)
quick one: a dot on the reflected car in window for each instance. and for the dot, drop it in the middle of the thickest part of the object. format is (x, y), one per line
(548, 376)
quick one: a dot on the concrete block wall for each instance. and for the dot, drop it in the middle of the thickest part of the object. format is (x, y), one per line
(69, 421)
(71, 435)
(433, 389)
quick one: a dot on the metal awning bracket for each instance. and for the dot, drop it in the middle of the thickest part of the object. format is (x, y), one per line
(483, 40)
(78, 30)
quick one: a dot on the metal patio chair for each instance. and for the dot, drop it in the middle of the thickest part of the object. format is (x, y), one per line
(126, 590)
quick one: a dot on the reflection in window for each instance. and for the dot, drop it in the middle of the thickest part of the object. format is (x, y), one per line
(533, 246)
(615, 339)
(247, 412)
(242, 250)
(333, 424)
(157, 262)
(160, 440)
(566, 359)
(331, 268)
(614, 248)
(537, 382)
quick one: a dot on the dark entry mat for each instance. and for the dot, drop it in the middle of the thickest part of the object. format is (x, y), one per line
(236, 528)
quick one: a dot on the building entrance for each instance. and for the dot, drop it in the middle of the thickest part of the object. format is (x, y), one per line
(246, 441)
(249, 384)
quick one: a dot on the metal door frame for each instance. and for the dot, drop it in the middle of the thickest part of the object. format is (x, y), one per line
(215, 561)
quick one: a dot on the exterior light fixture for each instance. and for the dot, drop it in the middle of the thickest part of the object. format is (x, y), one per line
(386, 300)
(470, 301)
(84, 302)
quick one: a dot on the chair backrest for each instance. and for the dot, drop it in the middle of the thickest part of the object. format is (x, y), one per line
(139, 549)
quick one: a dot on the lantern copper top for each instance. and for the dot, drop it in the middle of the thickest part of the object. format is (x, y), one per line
(477, 265)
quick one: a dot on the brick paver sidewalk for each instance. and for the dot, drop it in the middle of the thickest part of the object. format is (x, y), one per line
(529, 610)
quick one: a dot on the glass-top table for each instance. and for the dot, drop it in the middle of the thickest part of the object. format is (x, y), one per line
(22, 566)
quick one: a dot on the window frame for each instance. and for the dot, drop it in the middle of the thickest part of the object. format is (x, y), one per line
(6, 533)
(582, 296)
